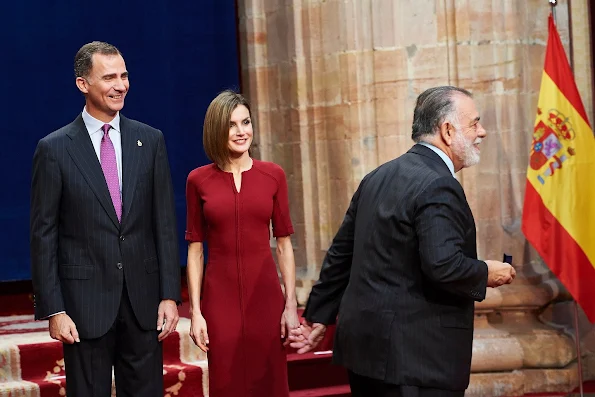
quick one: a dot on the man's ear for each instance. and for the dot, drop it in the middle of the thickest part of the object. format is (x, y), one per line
(82, 85)
(447, 131)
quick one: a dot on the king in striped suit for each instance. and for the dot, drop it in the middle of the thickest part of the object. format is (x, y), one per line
(104, 251)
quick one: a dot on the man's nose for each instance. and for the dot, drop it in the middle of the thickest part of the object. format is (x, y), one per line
(119, 85)
(481, 132)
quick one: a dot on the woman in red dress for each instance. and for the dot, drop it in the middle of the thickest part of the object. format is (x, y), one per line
(231, 204)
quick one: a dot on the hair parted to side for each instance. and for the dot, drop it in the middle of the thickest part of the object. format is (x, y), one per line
(83, 60)
(432, 108)
(215, 133)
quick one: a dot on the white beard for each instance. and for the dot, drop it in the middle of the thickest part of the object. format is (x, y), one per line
(464, 150)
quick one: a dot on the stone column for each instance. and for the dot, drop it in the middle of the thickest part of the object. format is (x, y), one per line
(308, 68)
(333, 85)
(581, 59)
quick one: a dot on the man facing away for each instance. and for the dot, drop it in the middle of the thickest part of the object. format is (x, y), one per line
(402, 272)
(104, 251)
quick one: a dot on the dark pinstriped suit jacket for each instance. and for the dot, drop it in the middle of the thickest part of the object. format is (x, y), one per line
(80, 253)
(402, 274)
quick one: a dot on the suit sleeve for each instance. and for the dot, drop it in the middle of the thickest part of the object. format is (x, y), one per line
(325, 297)
(46, 188)
(164, 221)
(440, 223)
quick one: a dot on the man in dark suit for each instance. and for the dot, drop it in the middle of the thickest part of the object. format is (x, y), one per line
(402, 272)
(104, 252)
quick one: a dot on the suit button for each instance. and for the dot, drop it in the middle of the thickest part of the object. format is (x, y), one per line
(122, 238)
(119, 265)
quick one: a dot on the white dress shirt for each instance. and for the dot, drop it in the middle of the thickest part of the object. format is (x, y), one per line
(96, 133)
(442, 155)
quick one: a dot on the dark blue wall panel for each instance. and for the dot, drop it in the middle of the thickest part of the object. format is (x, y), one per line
(180, 54)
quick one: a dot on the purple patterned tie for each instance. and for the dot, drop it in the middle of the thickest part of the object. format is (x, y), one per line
(107, 154)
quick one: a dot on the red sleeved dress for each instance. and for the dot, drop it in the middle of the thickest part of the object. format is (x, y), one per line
(242, 301)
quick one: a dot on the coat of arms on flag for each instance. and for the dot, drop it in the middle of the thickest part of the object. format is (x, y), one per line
(551, 144)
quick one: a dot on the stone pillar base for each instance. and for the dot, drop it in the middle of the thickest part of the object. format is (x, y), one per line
(521, 382)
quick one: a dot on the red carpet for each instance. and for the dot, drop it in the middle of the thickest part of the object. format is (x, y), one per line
(31, 363)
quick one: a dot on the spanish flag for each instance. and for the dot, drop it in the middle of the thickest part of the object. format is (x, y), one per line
(559, 208)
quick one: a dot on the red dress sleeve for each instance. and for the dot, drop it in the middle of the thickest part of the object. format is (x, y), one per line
(195, 221)
(281, 220)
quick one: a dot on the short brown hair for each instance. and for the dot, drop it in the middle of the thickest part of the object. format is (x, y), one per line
(83, 60)
(215, 132)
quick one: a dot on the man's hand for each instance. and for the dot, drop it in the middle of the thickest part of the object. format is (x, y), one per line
(499, 273)
(307, 336)
(167, 318)
(62, 328)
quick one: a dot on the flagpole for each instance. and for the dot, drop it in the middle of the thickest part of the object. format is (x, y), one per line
(553, 4)
(577, 340)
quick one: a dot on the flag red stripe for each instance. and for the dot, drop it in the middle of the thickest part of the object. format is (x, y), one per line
(561, 253)
(558, 68)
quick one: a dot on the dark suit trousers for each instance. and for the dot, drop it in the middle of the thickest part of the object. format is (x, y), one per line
(362, 386)
(135, 354)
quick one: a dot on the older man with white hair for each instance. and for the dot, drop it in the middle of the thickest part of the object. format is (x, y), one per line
(402, 272)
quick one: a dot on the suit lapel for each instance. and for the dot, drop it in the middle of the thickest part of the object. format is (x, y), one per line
(130, 163)
(83, 154)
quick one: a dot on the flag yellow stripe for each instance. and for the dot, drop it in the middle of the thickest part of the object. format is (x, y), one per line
(569, 194)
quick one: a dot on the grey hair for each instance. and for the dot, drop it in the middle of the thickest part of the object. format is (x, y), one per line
(83, 60)
(433, 107)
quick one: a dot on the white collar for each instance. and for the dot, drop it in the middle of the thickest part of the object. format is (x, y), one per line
(442, 155)
(93, 125)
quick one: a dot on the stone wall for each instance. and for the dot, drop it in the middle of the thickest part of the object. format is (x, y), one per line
(333, 85)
